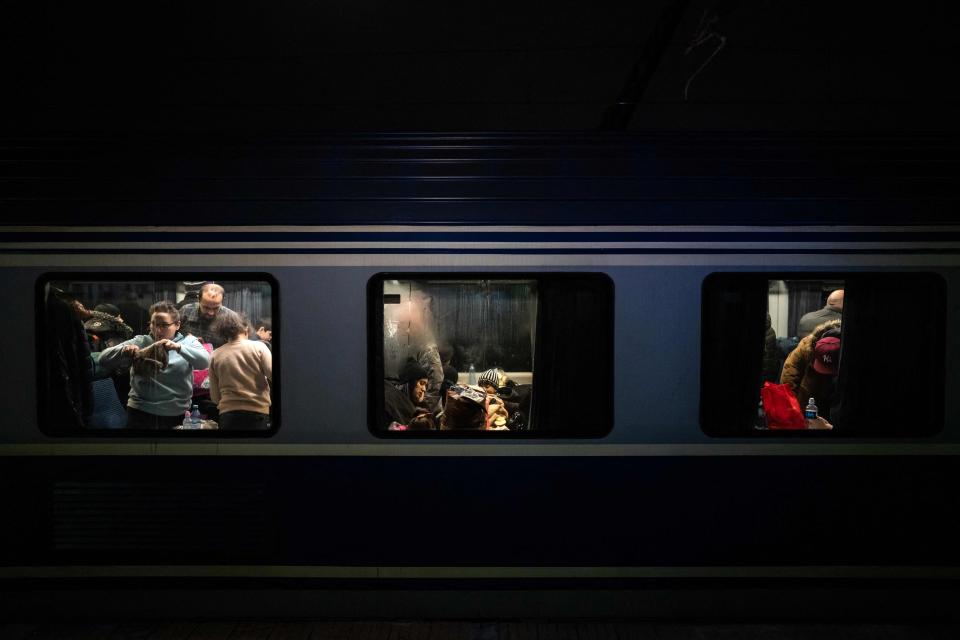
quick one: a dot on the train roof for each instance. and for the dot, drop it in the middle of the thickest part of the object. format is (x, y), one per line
(475, 179)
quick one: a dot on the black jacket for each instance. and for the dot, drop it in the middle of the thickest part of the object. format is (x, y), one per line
(69, 370)
(396, 406)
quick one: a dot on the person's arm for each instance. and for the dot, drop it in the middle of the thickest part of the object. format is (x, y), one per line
(96, 371)
(214, 383)
(793, 371)
(193, 352)
(266, 364)
(120, 355)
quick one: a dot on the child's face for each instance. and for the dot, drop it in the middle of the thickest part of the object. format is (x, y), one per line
(490, 389)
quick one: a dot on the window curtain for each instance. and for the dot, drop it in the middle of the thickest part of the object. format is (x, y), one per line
(573, 383)
(488, 324)
(804, 297)
(249, 298)
(891, 377)
(733, 327)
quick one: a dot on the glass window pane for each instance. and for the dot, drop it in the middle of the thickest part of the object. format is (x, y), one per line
(458, 354)
(801, 350)
(171, 354)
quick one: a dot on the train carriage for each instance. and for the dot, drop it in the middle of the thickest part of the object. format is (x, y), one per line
(623, 287)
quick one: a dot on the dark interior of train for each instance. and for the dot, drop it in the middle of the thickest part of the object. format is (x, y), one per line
(826, 354)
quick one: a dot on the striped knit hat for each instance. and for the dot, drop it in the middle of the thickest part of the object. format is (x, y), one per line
(489, 377)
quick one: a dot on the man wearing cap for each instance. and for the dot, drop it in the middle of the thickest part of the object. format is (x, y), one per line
(832, 311)
(811, 367)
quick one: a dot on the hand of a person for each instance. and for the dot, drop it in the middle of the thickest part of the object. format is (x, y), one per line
(169, 345)
(819, 423)
(130, 349)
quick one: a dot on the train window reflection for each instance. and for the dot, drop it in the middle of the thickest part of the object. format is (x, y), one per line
(458, 354)
(185, 354)
(801, 355)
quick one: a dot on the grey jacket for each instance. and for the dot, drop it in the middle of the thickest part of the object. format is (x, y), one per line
(810, 321)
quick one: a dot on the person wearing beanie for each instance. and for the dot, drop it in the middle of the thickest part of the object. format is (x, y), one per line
(403, 399)
(489, 380)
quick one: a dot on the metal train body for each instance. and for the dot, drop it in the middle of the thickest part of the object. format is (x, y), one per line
(328, 517)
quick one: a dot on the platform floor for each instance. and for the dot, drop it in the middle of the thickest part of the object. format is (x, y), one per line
(397, 630)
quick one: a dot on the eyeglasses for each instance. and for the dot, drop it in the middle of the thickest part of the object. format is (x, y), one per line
(162, 325)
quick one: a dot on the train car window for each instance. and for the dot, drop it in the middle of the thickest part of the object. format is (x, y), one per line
(786, 354)
(183, 354)
(490, 355)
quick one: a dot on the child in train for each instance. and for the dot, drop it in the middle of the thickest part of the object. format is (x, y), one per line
(496, 384)
(241, 373)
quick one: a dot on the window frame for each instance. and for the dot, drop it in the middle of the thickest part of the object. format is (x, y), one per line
(852, 424)
(42, 344)
(539, 413)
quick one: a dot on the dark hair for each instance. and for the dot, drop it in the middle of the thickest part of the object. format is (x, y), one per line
(230, 325)
(833, 332)
(413, 371)
(265, 324)
(422, 422)
(165, 306)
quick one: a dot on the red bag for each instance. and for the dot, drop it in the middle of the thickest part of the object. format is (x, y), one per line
(782, 407)
(201, 384)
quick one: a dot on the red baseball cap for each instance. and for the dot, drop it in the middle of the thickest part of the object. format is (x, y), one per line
(826, 356)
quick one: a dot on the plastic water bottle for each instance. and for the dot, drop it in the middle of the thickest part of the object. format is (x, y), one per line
(195, 419)
(187, 424)
(810, 413)
(472, 374)
(761, 423)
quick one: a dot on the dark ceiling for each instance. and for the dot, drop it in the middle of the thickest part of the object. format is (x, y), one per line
(285, 67)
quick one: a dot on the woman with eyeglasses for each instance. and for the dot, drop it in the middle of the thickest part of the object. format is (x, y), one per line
(161, 370)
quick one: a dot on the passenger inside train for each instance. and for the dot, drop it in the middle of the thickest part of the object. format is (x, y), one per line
(141, 360)
(458, 354)
(801, 356)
